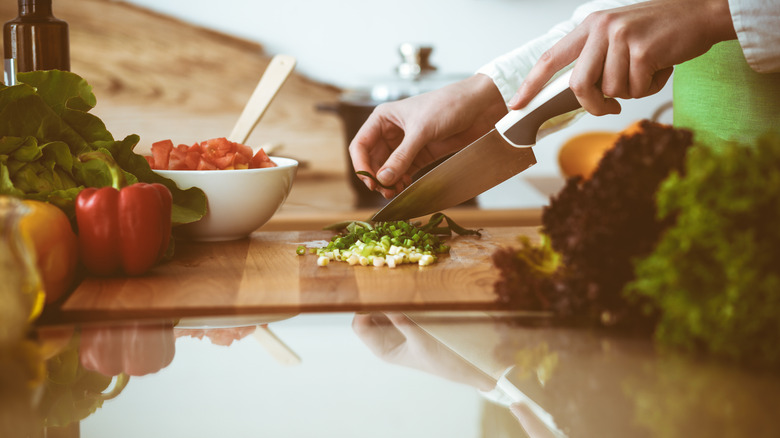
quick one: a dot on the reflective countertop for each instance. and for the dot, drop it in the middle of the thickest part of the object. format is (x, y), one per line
(394, 374)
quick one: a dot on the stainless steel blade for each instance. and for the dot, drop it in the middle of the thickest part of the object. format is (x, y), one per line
(461, 177)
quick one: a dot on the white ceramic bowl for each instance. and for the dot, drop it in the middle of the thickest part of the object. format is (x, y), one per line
(238, 201)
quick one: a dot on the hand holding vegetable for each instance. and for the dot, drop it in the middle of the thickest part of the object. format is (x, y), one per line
(402, 137)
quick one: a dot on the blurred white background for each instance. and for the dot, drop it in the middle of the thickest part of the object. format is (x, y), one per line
(347, 42)
(353, 44)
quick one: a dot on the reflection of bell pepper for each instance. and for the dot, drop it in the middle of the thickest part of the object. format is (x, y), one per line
(123, 229)
(134, 348)
(56, 248)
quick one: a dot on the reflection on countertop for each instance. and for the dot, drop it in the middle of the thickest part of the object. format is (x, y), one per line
(465, 374)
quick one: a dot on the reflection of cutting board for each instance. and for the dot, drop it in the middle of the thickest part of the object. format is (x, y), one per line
(263, 274)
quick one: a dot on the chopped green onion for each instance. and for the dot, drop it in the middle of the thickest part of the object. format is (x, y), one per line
(388, 243)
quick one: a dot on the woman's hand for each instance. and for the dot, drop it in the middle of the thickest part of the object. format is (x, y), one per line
(395, 338)
(399, 138)
(630, 52)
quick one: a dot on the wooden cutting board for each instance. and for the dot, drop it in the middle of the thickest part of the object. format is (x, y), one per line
(264, 274)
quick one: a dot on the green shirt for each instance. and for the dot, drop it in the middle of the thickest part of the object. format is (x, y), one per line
(719, 97)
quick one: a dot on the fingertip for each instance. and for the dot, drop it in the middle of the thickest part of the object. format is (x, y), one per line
(599, 105)
(514, 101)
(386, 176)
(525, 92)
(386, 193)
(613, 106)
(361, 320)
(398, 319)
(369, 183)
(659, 80)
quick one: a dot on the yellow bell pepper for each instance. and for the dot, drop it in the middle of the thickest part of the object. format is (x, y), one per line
(21, 291)
(48, 230)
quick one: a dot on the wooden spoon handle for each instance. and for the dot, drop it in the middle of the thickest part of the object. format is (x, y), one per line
(274, 76)
(275, 346)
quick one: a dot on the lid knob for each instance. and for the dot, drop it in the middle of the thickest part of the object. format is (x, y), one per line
(415, 60)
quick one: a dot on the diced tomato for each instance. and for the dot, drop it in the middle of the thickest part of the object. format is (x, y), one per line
(150, 160)
(226, 162)
(261, 160)
(268, 163)
(209, 156)
(216, 153)
(192, 160)
(161, 151)
(241, 161)
(205, 165)
(222, 145)
(178, 156)
(244, 150)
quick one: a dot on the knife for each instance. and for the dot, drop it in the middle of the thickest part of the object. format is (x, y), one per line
(497, 156)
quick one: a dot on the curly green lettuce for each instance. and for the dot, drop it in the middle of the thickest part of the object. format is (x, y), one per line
(714, 277)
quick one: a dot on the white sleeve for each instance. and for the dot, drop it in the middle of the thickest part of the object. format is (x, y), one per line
(757, 23)
(508, 70)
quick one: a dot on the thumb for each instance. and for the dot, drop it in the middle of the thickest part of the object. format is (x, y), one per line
(399, 162)
(406, 326)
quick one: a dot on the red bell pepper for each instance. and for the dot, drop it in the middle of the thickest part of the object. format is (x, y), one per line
(123, 229)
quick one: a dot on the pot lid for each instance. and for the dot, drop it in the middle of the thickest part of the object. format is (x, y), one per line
(414, 75)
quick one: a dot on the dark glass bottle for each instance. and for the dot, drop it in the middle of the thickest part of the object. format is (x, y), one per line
(35, 40)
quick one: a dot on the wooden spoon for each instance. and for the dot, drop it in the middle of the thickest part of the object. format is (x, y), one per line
(273, 78)
(275, 346)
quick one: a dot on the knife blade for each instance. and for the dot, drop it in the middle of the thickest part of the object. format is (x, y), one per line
(497, 156)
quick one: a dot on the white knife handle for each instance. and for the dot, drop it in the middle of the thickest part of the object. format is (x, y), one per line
(520, 127)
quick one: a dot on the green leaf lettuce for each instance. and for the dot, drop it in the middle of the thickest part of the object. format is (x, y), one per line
(714, 276)
(45, 125)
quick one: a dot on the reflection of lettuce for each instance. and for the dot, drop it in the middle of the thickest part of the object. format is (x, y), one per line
(672, 398)
(45, 125)
(36, 392)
